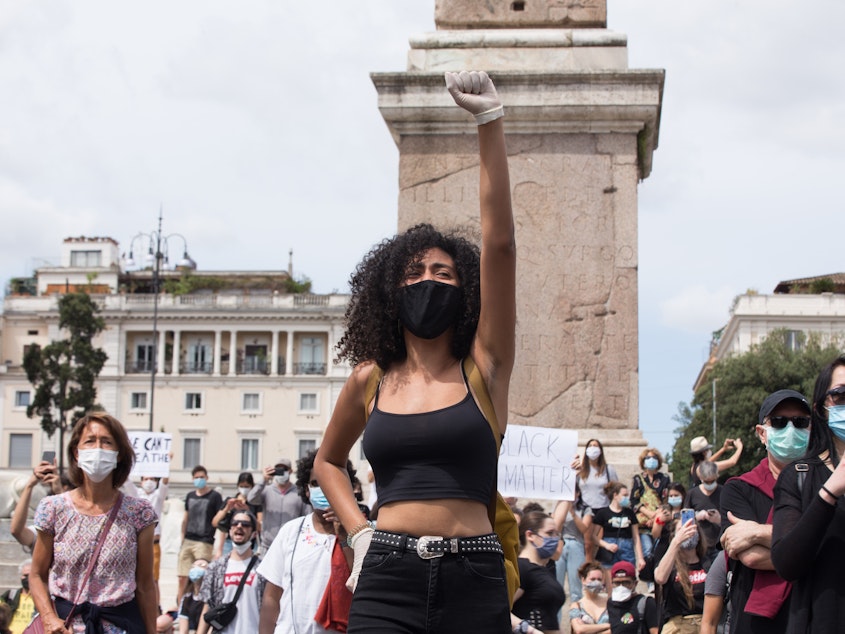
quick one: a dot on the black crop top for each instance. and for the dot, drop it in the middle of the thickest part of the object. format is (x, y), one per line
(447, 453)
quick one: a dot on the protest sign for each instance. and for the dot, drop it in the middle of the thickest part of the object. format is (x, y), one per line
(152, 453)
(534, 463)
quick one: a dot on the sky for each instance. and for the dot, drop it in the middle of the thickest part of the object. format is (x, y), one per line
(254, 128)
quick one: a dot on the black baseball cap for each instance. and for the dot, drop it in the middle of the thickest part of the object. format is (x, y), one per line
(776, 398)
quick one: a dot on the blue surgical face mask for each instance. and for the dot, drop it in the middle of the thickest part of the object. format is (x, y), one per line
(548, 548)
(836, 420)
(319, 501)
(199, 483)
(651, 463)
(675, 501)
(625, 502)
(196, 573)
(787, 444)
(709, 486)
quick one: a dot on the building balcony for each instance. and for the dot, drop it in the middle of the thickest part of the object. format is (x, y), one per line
(309, 368)
(204, 367)
(253, 365)
(139, 367)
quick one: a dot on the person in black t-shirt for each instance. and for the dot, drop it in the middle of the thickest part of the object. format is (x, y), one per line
(629, 612)
(201, 505)
(540, 597)
(705, 499)
(681, 574)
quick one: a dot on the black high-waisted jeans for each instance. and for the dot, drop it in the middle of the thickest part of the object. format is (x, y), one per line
(400, 593)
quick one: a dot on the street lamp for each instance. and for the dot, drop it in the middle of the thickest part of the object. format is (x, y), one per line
(158, 253)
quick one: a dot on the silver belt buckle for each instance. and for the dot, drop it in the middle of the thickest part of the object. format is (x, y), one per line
(422, 547)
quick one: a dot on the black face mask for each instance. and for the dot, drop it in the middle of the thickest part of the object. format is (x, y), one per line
(25, 583)
(428, 308)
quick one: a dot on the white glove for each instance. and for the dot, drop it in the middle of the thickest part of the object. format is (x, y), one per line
(360, 543)
(474, 91)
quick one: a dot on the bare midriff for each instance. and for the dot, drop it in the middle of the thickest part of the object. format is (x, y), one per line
(444, 518)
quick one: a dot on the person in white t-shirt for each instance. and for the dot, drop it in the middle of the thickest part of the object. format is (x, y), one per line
(224, 575)
(297, 566)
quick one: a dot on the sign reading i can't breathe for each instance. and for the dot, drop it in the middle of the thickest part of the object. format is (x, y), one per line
(152, 453)
(534, 463)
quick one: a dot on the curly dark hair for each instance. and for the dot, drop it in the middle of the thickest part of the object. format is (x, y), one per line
(304, 467)
(372, 316)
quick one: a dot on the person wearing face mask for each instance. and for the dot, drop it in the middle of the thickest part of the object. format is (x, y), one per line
(702, 451)
(307, 565)
(201, 505)
(277, 500)
(19, 600)
(681, 573)
(618, 531)
(574, 520)
(540, 597)
(223, 576)
(809, 516)
(706, 500)
(629, 612)
(222, 543)
(588, 615)
(191, 605)
(594, 474)
(431, 338)
(648, 493)
(119, 596)
(759, 597)
(45, 474)
(154, 491)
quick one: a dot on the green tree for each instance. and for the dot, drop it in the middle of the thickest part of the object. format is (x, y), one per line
(742, 382)
(63, 372)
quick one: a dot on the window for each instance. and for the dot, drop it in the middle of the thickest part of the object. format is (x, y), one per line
(22, 398)
(32, 332)
(310, 356)
(193, 401)
(144, 357)
(308, 402)
(191, 452)
(249, 454)
(138, 400)
(794, 340)
(20, 451)
(85, 259)
(306, 445)
(199, 358)
(251, 403)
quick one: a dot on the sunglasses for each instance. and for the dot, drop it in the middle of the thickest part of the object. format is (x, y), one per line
(837, 395)
(241, 523)
(799, 422)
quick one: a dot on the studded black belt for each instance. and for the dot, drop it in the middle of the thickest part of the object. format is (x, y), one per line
(431, 546)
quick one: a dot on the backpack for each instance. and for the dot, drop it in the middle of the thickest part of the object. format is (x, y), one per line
(500, 514)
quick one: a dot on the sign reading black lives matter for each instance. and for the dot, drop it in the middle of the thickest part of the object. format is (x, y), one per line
(534, 462)
(152, 453)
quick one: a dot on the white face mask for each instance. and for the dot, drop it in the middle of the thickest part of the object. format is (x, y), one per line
(593, 453)
(244, 491)
(148, 485)
(242, 549)
(620, 594)
(97, 463)
(281, 479)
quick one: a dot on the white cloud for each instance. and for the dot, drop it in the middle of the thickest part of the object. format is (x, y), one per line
(697, 309)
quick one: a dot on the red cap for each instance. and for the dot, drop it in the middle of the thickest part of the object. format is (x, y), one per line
(623, 569)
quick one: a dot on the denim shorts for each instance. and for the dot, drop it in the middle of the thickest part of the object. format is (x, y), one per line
(624, 553)
(400, 593)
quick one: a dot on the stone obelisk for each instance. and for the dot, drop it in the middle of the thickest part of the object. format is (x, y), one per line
(581, 130)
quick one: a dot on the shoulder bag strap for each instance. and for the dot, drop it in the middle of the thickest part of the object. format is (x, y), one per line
(371, 389)
(479, 389)
(93, 562)
(243, 579)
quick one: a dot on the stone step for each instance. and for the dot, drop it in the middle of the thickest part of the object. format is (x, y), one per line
(12, 552)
